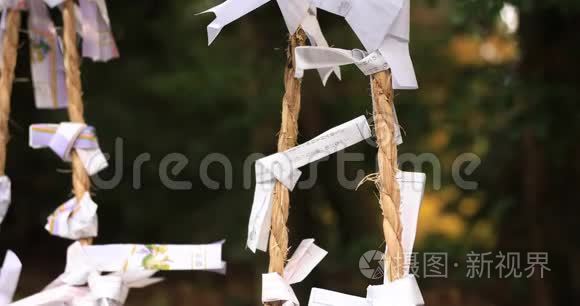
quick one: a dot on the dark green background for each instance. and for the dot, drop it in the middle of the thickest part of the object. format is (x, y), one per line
(170, 93)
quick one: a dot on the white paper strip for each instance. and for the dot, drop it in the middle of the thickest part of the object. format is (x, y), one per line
(294, 12)
(412, 186)
(322, 297)
(5, 196)
(284, 166)
(402, 292)
(136, 257)
(312, 29)
(371, 20)
(382, 26)
(9, 276)
(277, 288)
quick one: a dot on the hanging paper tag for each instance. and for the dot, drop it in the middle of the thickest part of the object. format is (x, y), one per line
(46, 58)
(9, 276)
(283, 167)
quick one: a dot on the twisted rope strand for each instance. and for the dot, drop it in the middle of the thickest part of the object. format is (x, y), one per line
(9, 55)
(390, 198)
(80, 179)
(287, 138)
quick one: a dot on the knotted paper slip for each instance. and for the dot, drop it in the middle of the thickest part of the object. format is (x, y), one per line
(402, 292)
(383, 28)
(284, 166)
(5, 196)
(9, 276)
(63, 138)
(132, 265)
(296, 13)
(74, 219)
(303, 261)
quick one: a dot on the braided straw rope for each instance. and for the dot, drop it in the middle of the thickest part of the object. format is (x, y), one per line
(390, 198)
(287, 139)
(9, 55)
(80, 179)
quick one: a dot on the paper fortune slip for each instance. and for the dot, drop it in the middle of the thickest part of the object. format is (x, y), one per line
(63, 138)
(135, 257)
(98, 41)
(85, 281)
(9, 276)
(277, 288)
(404, 291)
(5, 196)
(74, 219)
(383, 28)
(283, 167)
(296, 13)
(411, 186)
(46, 58)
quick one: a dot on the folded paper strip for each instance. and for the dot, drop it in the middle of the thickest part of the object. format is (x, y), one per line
(46, 51)
(278, 288)
(46, 58)
(383, 28)
(402, 292)
(283, 167)
(74, 219)
(132, 266)
(95, 29)
(63, 138)
(9, 276)
(296, 13)
(98, 41)
(5, 196)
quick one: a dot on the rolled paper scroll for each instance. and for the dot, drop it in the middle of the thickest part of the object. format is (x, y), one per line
(402, 292)
(296, 13)
(284, 166)
(63, 138)
(5, 196)
(277, 288)
(46, 58)
(74, 219)
(9, 276)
